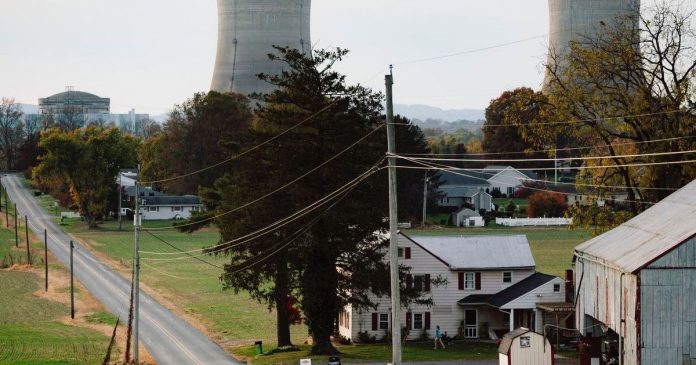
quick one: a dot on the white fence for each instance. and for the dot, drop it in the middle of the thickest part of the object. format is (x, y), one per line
(526, 222)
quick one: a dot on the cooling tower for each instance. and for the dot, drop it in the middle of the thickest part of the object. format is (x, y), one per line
(247, 30)
(573, 19)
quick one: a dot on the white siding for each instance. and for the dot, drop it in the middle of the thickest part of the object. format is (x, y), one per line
(446, 312)
(166, 212)
(542, 294)
(509, 178)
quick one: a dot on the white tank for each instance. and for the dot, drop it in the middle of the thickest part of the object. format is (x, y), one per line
(247, 30)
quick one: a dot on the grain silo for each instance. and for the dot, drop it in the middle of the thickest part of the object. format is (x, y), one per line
(573, 19)
(247, 30)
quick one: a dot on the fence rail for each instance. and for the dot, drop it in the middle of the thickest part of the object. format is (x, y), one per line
(530, 222)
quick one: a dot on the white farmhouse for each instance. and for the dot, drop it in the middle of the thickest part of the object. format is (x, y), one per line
(491, 285)
(169, 207)
(506, 179)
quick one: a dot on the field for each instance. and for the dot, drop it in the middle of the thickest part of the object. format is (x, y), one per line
(31, 327)
(421, 351)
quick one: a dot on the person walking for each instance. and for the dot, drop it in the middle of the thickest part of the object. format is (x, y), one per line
(438, 338)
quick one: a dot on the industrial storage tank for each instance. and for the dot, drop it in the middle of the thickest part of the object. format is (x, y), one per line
(573, 19)
(247, 30)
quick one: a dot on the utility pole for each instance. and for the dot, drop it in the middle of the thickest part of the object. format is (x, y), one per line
(120, 188)
(46, 259)
(393, 220)
(555, 166)
(136, 267)
(425, 196)
(7, 211)
(72, 283)
(15, 219)
(26, 234)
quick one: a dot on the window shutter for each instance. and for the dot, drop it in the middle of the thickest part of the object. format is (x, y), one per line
(478, 280)
(407, 252)
(427, 320)
(374, 321)
(461, 281)
(427, 282)
(409, 323)
(409, 281)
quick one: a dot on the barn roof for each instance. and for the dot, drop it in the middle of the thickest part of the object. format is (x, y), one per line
(648, 236)
(478, 252)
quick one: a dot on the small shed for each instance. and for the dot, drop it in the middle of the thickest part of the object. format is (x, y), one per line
(525, 347)
(466, 217)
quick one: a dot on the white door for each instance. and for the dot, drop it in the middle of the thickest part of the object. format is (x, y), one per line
(470, 323)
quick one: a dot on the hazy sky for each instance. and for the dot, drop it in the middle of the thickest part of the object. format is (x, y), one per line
(151, 54)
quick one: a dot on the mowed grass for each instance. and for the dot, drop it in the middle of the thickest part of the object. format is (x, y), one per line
(552, 248)
(193, 286)
(30, 332)
(420, 351)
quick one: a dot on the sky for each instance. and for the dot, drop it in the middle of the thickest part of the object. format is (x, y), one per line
(152, 54)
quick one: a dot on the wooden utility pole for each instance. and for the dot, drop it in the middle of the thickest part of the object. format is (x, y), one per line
(15, 222)
(26, 234)
(425, 196)
(136, 267)
(72, 283)
(46, 259)
(393, 228)
(7, 211)
(120, 189)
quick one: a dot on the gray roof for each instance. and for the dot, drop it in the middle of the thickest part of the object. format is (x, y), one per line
(467, 178)
(478, 252)
(144, 192)
(508, 294)
(645, 238)
(171, 200)
(67, 95)
(459, 191)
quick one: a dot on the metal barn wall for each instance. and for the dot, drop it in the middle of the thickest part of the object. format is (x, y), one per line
(668, 308)
(599, 296)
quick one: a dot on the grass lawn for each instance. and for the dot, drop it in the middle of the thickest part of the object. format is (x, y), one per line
(552, 247)
(30, 329)
(194, 286)
(421, 351)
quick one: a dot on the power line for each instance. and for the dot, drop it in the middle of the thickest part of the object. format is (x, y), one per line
(280, 223)
(247, 151)
(548, 150)
(181, 251)
(276, 190)
(585, 158)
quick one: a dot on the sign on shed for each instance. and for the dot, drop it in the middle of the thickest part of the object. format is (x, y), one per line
(525, 347)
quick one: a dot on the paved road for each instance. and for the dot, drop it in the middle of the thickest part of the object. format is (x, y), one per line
(167, 337)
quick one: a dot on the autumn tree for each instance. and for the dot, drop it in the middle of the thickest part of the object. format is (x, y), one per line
(191, 140)
(88, 161)
(629, 89)
(546, 204)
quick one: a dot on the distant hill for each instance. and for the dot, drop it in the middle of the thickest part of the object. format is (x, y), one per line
(29, 108)
(425, 112)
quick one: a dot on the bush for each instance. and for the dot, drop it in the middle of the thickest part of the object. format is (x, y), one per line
(546, 204)
(496, 194)
(364, 337)
(424, 336)
(342, 340)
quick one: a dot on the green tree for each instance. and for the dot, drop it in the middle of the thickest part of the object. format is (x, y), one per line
(334, 255)
(191, 140)
(88, 160)
(11, 131)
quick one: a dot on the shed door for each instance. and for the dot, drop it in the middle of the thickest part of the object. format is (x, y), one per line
(470, 324)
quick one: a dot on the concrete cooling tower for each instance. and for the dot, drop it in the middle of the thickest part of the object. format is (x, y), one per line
(573, 19)
(247, 30)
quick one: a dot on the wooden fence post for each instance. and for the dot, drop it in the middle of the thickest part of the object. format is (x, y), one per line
(46, 258)
(26, 234)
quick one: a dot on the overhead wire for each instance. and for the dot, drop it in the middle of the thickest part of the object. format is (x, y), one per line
(569, 159)
(279, 223)
(339, 154)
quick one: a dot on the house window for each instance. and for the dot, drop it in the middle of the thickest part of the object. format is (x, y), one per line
(469, 282)
(400, 252)
(510, 191)
(507, 277)
(556, 288)
(417, 321)
(383, 321)
(176, 209)
(418, 281)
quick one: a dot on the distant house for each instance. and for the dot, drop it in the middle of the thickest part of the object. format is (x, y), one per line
(575, 197)
(466, 217)
(491, 285)
(169, 207)
(636, 286)
(506, 179)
